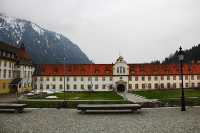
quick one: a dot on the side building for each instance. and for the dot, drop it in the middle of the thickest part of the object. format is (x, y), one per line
(119, 76)
(16, 69)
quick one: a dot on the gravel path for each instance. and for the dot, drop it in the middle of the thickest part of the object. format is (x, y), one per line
(161, 120)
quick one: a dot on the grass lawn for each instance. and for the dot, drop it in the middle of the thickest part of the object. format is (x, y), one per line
(84, 96)
(172, 96)
(38, 101)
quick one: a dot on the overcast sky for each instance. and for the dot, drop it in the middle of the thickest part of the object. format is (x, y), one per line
(139, 30)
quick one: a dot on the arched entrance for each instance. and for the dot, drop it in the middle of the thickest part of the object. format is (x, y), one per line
(120, 88)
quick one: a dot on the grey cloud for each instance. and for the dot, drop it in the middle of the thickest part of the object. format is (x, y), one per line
(140, 30)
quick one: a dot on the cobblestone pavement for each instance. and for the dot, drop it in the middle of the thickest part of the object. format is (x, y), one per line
(160, 120)
(8, 98)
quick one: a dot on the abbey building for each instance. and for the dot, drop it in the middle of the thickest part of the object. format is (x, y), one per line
(16, 69)
(119, 76)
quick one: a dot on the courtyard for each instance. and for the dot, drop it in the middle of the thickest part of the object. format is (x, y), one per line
(157, 120)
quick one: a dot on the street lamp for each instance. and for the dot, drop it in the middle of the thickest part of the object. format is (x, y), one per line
(181, 57)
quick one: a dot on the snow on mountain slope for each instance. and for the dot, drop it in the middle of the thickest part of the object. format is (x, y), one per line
(44, 46)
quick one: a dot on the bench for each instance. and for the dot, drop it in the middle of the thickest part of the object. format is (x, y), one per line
(85, 107)
(17, 107)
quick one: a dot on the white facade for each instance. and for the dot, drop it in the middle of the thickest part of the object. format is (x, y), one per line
(120, 81)
(25, 73)
(6, 69)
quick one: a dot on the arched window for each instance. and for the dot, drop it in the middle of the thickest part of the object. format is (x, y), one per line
(120, 69)
(117, 69)
(123, 69)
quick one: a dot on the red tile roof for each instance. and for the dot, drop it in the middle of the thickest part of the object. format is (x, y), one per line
(163, 69)
(106, 69)
(22, 54)
(76, 69)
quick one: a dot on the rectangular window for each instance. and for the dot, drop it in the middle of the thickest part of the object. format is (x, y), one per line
(162, 85)
(168, 85)
(136, 86)
(54, 79)
(117, 69)
(61, 86)
(89, 87)
(82, 79)
(47, 86)
(9, 73)
(110, 78)
(89, 78)
(68, 86)
(174, 85)
(149, 78)
(193, 85)
(103, 78)
(96, 78)
(136, 78)
(129, 86)
(47, 78)
(186, 77)
(143, 78)
(174, 77)
(82, 86)
(104, 86)
(192, 77)
(67, 78)
(149, 86)
(54, 87)
(143, 86)
(168, 77)
(96, 86)
(155, 78)
(156, 86)
(74, 78)
(75, 86)
(186, 85)
(198, 77)
(41, 78)
(110, 87)
(4, 73)
(162, 77)
(198, 84)
(41, 86)
(129, 78)
(61, 78)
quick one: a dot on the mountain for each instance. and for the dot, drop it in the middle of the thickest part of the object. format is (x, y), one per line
(191, 55)
(44, 46)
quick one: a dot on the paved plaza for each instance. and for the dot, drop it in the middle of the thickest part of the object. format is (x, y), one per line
(160, 120)
(135, 98)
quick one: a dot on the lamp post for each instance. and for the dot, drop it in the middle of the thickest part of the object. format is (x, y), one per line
(181, 57)
(64, 104)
